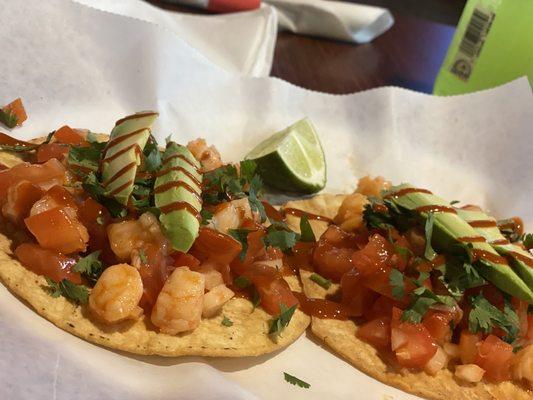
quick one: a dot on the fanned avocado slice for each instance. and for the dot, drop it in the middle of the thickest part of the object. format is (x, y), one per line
(123, 154)
(448, 228)
(178, 194)
(520, 258)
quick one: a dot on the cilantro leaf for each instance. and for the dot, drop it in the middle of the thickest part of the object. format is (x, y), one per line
(241, 282)
(241, 235)
(87, 157)
(376, 215)
(142, 257)
(255, 203)
(429, 253)
(417, 309)
(284, 240)
(77, 293)
(206, 216)
(527, 240)
(458, 276)
(256, 299)
(510, 228)
(227, 322)
(90, 267)
(295, 381)
(453, 202)
(320, 280)
(282, 320)
(484, 316)
(152, 157)
(95, 189)
(403, 252)
(8, 118)
(248, 168)
(397, 284)
(306, 232)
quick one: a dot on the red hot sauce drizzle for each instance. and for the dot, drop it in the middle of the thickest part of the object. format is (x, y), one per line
(471, 239)
(321, 308)
(483, 224)
(525, 259)
(482, 254)
(299, 213)
(181, 205)
(500, 242)
(435, 208)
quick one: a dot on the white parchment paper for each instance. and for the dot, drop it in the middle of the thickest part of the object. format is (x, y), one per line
(86, 68)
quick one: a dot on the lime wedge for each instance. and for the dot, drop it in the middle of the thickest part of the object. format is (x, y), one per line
(292, 159)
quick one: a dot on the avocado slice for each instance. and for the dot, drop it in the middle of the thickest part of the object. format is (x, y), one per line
(123, 152)
(178, 194)
(493, 236)
(447, 230)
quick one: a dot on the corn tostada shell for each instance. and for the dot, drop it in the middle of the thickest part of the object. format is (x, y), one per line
(248, 336)
(341, 337)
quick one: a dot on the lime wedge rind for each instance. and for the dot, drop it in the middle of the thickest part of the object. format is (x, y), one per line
(292, 159)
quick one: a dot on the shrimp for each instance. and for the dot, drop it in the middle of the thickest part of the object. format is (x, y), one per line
(208, 156)
(522, 365)
(372, 187)
(350, 214)
(117, 293)
(126, 236)
(20, 198)
(178, 307)
(215, 299)
(230, 215)
(211, 274)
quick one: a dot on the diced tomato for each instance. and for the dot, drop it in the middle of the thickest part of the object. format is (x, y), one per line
(377, 332)
(495, 356)
(48, 151)
(154, 273)
(96, 218)
(521, 308)
(67, 135)
(49, 173)
(184, 260)
(332, 257)
(215, 246)
(379, 282)
(301, 256)
(20, 199)
(382, 307)
(49, 263)
(374, 256)
(438, 326)
(16, 108)
(256, 251)
(272, 288)
(56, 230)
(468, 346)
(62, 197)
(529, 334)
(412, 343)
(355, 297)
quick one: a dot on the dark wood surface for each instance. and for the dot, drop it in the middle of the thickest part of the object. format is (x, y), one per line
(408, 55)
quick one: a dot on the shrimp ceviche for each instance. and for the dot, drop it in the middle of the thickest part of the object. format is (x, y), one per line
(170, 250)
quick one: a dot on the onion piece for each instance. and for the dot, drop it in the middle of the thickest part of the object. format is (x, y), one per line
(469, 373)
(452, 350)
(437, 362)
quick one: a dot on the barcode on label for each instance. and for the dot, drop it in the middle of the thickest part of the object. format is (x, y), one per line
(472, 42)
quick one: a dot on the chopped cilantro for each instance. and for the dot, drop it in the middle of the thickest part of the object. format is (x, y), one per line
(429, 253)
(453, 202)
(397, 284)
(281, 238)
(306, 232)
(255, 204)
(95, 189)
(206, 216)
(282, 320)
(90, 267)
(377, 217)
(527, 240)
(142, 257)
(8, 118)
(227, 322)
(295, 381)
(241, 235)
(152, 157)
(484, 316)
(320, 280)
(248, 168)
(87, 157)
(256, 299)
(403, 252)
(242, 282)
(77, 293)
(458, 276)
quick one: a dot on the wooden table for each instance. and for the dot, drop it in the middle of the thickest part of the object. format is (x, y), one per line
(408, 55)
